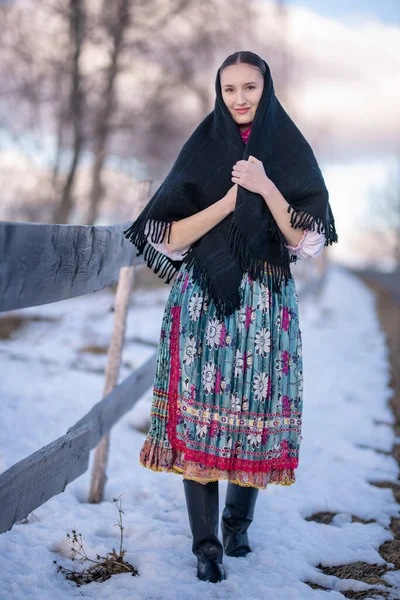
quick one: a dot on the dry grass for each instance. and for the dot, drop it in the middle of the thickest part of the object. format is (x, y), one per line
(103, 567)
(94, 349)
(326, 518)
(9, 323)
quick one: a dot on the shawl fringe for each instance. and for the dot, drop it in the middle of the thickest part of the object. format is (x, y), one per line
(249, 242)
(303, 220)
(249, 260)
(162, 265)
(224, 306)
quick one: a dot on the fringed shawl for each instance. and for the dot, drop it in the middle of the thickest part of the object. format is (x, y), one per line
(249, 239)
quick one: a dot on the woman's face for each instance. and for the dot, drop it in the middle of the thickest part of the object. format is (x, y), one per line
(242, 86)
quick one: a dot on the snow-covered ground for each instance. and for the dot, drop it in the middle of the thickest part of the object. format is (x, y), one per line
(49, 380)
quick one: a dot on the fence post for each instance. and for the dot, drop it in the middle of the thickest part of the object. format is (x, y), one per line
(98, 479)
(99, 476)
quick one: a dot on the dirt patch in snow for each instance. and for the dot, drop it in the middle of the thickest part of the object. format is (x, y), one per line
(388, 307)
(10, 323)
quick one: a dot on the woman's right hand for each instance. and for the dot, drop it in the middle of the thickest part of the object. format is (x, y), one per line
(231, 197)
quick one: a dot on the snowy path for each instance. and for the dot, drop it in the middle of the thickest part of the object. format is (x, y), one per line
(48, 383)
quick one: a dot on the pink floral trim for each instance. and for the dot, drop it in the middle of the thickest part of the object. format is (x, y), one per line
(269, 389)
(185, 282)
(285, 318)
(174, 379)
(248, 316)
(285, 367)
(161, 392)
(223, 335)
(286, 405)
(154, 456)
(218, 381)
(238, 464)
(265, 435)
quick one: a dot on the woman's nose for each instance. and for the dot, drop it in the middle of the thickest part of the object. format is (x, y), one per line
(241, 99)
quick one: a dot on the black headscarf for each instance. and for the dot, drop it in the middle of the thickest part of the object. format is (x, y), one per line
(249, 237)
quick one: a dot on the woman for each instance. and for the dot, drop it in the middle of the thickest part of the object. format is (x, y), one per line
(244, 198)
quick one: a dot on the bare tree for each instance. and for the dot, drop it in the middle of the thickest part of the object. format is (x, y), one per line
(385, 211)
(116, 21)
(181, 61)
(76, 106)
(378, 236)
(66, 66)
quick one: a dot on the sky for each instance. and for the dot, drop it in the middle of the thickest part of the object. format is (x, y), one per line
(387, 11)
(345, 85)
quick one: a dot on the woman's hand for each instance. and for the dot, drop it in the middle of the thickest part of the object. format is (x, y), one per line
(250, 174)
(230, 197)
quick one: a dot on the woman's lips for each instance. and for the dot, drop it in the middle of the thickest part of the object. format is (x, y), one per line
(242, 111)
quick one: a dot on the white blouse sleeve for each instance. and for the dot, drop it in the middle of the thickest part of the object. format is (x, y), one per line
(161, 247)
(310, 245)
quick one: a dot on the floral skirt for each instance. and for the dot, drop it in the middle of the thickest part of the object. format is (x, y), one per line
(227, 398)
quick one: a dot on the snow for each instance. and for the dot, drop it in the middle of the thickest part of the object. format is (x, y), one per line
(49, 382)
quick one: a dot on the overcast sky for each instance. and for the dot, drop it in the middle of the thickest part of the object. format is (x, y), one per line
(346, 84)
(387, 11)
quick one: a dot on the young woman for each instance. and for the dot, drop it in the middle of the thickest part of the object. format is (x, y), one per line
(244, 198)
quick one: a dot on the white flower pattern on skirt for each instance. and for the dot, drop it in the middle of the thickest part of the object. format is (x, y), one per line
(264, 298)
(239, 363)
(195, 304)
(241, 319)
(254, 439)
(190, 351)
(263, 341)
(213, 332)
(208, 377)
(236, 403)
(260, 386)
(239, 385)
(201, 431)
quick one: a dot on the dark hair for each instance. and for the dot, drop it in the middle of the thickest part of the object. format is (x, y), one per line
(245, 56)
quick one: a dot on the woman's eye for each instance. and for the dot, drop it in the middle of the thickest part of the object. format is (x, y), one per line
(249, 87)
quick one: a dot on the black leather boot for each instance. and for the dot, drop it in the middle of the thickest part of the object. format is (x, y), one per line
(203, 512)
(236, 518)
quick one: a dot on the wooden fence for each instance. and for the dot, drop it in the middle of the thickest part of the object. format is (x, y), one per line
(40, 264)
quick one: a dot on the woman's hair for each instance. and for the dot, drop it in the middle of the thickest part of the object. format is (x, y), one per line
(245, 56)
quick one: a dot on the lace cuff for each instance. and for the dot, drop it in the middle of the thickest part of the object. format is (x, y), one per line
(310, 245)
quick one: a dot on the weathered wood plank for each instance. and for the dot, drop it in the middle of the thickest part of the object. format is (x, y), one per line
(108, 411)
(41, 263)
(45, 473)
(35, 479)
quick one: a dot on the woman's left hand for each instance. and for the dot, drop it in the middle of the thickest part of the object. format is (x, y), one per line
(250, 174)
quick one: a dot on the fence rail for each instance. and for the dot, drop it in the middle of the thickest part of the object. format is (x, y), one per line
(39, 264)
(35, 479)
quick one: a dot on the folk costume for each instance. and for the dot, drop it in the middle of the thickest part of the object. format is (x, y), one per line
(227, 399)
